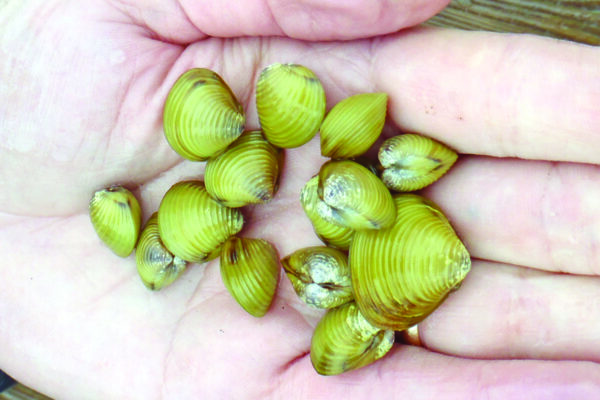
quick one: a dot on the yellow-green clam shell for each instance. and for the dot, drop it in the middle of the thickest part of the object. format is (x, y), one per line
(344, 340)
(202, 115)
(330, 233)
(353, 125)
(357, 198)
(246, 173)
(401, 274)
(290, 101)
(412, 161)
(192, 224)
(116, 216)
(250, 272)
(320, 276)
(156, 266)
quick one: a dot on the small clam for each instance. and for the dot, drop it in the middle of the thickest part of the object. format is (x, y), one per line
(353, 125)
(201, 115)
(320, 276)
(116, 216)
(412, 161)
(250, 272)
(155, 264)
(246, 173)
(192, 224)
(356, 197)
(330, 233)
(344, 340)
(290, 101)
(401, 274)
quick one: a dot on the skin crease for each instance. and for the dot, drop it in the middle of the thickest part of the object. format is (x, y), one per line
(81, 109)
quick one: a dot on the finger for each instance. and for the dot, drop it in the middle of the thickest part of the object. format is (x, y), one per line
(186, 21)
(411, 372)
(534, 213)
(494, 94)
(503, 311)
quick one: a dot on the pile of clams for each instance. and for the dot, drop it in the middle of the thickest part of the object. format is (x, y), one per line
(389, 258)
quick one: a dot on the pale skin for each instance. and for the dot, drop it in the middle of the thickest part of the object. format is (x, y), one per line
(81, 102)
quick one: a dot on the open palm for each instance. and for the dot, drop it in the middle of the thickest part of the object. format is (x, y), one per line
(81, 108)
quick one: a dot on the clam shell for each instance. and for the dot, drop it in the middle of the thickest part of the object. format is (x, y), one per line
(320, 276)
(192, 224)
(412, 161)
(246, 173)
(156, 266)
(116, 216)
(201, 115)
(344, 340)
(356, 197)
(290, 101)
(330, 233)
(250, 272)
(401, 274)
(353, 125)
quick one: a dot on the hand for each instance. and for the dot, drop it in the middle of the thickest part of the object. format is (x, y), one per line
(81, 107)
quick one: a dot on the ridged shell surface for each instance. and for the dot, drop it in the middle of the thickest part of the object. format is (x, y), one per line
(246, 173)
(357, 198)
(401, 274)
(353, 125)
(412, 161)
(320, 276)
(202, 115)
(156, 266)
(116, 216)
(290, 101)
(192, 224)
(344, 340)
(250, 271)
(330, 233)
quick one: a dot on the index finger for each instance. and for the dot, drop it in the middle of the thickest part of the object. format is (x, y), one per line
(494, 94)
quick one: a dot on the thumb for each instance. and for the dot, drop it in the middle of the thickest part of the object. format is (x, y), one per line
(193, 20)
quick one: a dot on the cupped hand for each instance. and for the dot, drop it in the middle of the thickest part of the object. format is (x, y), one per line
(80, 108)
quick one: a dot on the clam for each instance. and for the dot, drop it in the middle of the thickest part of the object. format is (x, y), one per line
(116, 216)
(344, 340)
(201, 115)
(355, 196)
(156, 266)
(353, 125)
(330, 233)
(412, 161)
(320, 276)
(246, 173)
(250, 272)
(290, 101)
(192, 224)
(403, 273)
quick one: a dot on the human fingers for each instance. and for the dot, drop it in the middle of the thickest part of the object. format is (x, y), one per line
(185, 21)
(538, 214)
(494, 94)
(412, 372)
(503, 311)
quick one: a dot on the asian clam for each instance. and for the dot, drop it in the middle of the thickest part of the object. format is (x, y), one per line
(389, 258)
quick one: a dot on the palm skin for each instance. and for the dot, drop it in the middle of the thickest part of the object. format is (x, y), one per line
(82, 109)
